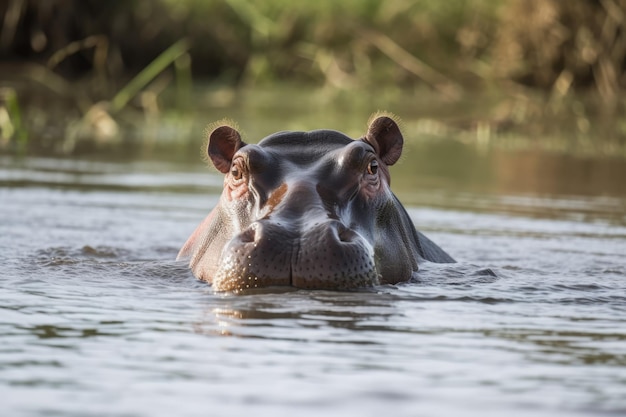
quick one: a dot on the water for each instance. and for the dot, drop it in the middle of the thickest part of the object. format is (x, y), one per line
(97, 319)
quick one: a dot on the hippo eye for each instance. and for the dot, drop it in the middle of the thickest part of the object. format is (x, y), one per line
(237, 171)
(372, 167)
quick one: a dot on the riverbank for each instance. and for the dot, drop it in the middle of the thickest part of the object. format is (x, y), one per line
(523, 73)
(52, 123)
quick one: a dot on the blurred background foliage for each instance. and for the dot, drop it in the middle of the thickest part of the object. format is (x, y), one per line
(90, 71)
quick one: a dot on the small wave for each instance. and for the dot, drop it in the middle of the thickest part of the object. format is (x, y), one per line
(65, 255)
(108, 264)
(457, 274)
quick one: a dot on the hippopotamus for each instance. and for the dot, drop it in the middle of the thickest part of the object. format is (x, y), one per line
(311, 210)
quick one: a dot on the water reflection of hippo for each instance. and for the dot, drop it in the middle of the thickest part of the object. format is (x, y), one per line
(309, 210)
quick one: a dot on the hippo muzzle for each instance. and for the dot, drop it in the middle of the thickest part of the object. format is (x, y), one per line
(310, 210)
(268, 253)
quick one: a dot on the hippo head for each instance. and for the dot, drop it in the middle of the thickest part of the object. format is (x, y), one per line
(309, 210)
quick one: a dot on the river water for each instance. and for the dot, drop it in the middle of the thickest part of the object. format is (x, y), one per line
(97, 319)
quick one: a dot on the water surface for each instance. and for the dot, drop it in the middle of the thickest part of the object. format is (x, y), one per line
(96, 317)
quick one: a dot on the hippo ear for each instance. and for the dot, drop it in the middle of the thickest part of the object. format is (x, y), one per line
(224, 141)
(384, 135)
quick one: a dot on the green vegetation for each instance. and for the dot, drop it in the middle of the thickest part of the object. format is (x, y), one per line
(11, 124)
(90, 74)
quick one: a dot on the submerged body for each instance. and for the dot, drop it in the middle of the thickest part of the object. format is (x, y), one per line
(309, 210)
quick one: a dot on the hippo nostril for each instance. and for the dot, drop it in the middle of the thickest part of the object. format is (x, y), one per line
(248, 236)
(345, 234)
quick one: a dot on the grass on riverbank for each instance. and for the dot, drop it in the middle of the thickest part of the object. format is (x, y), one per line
(481, 69)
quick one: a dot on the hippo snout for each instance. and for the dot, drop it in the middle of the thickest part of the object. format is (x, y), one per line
(326, 255)
(333, 256)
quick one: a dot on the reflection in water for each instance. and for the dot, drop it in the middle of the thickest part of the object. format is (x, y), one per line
(446, 174)
(540, 173)
(46, 331)
(277, 307)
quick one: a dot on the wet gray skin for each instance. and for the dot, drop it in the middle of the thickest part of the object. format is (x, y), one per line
(309, 210)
